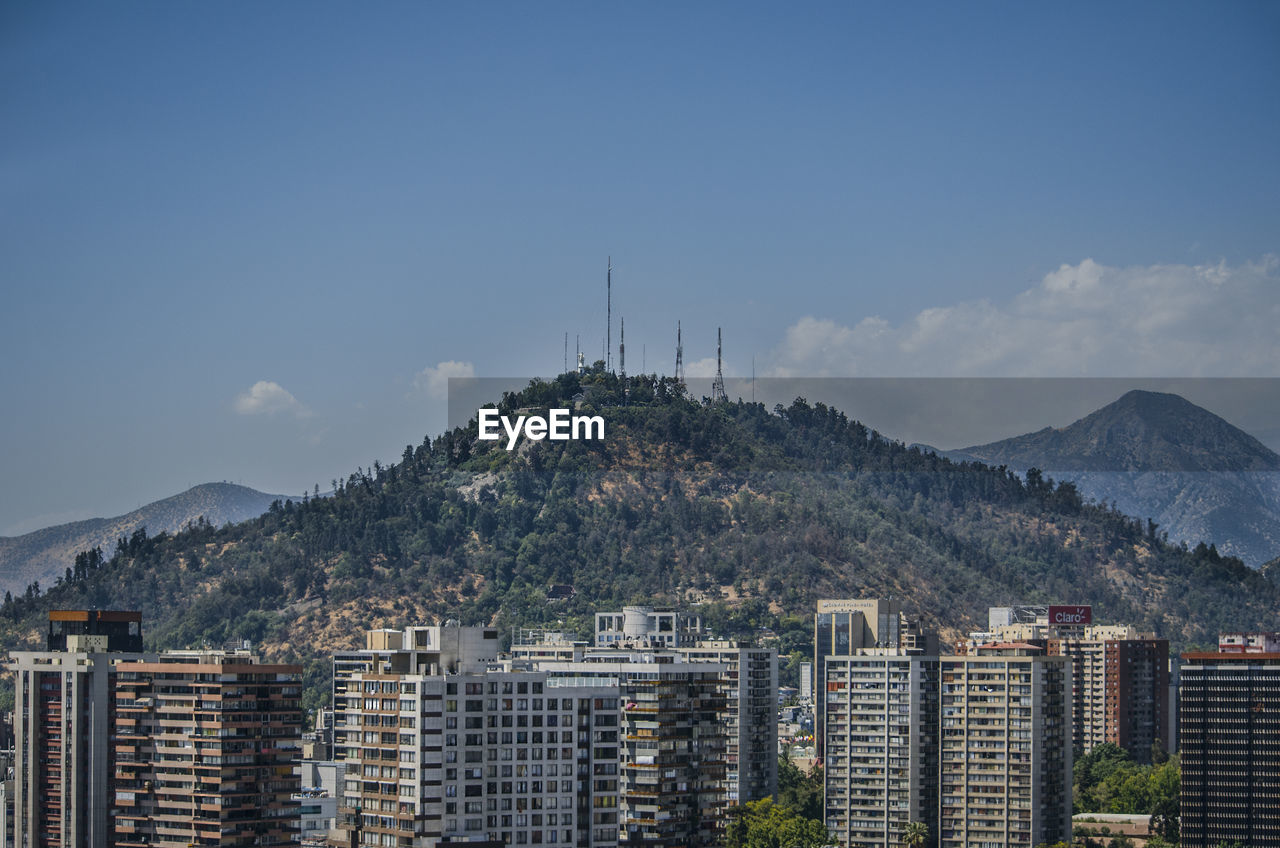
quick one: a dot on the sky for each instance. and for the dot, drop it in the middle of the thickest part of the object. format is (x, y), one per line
(251, 242)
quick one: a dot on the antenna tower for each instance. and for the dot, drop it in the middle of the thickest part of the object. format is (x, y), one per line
(717, 385)
(608, 320)
(566, 352)
(679, 355)
(622, 355)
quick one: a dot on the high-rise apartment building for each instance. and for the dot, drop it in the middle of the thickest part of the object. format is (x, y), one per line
(672, 789)
(748, 709)
(443, 744)
(1119, 677)
(204, 750)
(118, 747)
(1005, 756)
(446, 743)
(881, 759)
(63, 718)
(1229, 732)
(748, 687)
(844, 626)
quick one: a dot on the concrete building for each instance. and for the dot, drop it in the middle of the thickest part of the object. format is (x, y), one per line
(748, 687)
(881, 761)
(1005, 756)
(1229, 731)
(443, 744)
(842, 627)
(673, 783)
(657, 626)
(1249, 643)
(446, 743)
(64, 710)
(1120, 677)
(205, 746)
(322, 782)
(748, 692)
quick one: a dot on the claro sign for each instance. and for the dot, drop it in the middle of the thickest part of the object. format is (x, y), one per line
(1071, 615)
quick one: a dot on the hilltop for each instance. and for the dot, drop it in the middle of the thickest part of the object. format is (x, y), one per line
(751, 513)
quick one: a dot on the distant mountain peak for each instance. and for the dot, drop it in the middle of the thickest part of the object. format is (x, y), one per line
(1147, 453)
(44, 554)
(1140, 431)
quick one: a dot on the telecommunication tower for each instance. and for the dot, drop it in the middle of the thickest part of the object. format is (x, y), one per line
(717, 386)
(608, 319)
(679, 355)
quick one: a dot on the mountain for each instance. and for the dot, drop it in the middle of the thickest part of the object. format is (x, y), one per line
(750, 513)
(44, 555)
(1159, 456)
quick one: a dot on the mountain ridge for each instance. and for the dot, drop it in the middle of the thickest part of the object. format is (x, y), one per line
(1157, 455)
(43, 555)
(749, 513)
(1140, 431)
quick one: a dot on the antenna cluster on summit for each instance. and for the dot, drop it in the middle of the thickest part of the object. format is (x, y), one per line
(718, 392)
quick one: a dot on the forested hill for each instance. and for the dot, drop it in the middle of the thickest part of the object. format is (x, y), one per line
(754, 513)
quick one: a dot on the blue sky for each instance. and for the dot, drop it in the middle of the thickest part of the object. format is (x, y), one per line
(334, 203)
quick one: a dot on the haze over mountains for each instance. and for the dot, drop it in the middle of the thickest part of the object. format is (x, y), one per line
(44, 555)
(1156, 455)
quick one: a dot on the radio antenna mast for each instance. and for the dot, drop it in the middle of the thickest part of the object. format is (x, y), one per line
(622, 355)
(717, 386)
(608, 320)
(679, 375)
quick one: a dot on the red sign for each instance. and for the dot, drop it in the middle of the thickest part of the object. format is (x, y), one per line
(1071, 615)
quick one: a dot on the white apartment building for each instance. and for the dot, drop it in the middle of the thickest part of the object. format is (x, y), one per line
(444, 746)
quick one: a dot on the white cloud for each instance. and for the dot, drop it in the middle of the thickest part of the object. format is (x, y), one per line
(267, 397)
(701, 368)
(1083, 320)
(435, 380)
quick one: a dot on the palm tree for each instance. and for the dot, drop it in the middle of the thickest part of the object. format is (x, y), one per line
(915, 834)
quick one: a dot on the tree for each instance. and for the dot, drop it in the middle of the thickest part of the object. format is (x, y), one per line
(801, 792)
(1092, 770)
(915, 834)
(1166, 806)
(763, 824)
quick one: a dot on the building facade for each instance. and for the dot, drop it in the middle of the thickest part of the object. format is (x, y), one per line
(1229, 732)
(1005, 757)
(443, 744)
(843, 626)
(1119, 677)
(881, 761)
(205, 749)
(63, 718)
(673, 787)
(749, 710)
